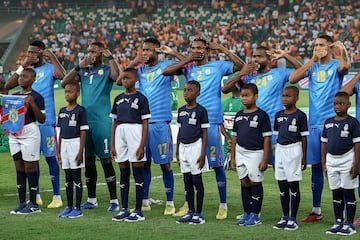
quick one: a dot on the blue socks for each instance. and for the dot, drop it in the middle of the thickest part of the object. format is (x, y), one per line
(221, 183)
(54, 171)
(317, 185)
(147, 181)
(168, 178)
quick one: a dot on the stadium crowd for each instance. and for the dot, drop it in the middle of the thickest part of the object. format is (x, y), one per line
(240, 27)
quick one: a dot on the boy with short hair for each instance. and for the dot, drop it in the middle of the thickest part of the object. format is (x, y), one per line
(290, 126)
(131, 114)
(340, 161)
(72, 123)
(191, 150)
(250, 151)
(25, 148)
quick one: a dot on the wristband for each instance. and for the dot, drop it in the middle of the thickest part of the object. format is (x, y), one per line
(19, 70)
(77, 68)
(111, 57)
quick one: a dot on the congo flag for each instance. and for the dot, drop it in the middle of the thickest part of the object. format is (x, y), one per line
(13, 110)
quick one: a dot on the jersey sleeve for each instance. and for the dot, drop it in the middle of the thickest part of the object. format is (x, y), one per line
(145, 109)
(304, 130)
(324, 137)
(204, 119)
(276, 124)
(266, 126)
(113, 113)
(83, 119)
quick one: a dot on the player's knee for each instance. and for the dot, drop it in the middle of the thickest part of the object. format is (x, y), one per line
(90, 162)
(165, 167)
(105, 161)
(17, 156)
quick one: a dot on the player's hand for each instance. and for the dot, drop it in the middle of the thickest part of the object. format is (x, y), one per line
(303, 164)
(354, 171)
(87, 60)
(106, 53)
(30, 60)
(59, 159)
(337, 44)
(140, 153)
(201, 161)
(325, 170)
(249, 68)
(196, 57)
(318, 54)
(164, 49)
(263, 166)
(140, 58)
(29, 100)
(215, 46)
(79, 158)
(46, 53)
(112, 153)
(177, 158)
(276, 54)
(233, 164)
(229, 144)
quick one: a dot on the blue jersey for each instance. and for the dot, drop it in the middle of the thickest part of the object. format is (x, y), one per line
(191, 121)
(72, 122)
(325, 81)
(210, 78)
(157, 89)
(44, 84)
(290, 128)
(96, 84)
(130, 108)
(271, 86)
(357, 91)
(340, 136)
(39, 100)
(251, 128)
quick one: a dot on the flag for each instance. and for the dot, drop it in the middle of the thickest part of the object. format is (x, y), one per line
(13, 111)
(304, 83)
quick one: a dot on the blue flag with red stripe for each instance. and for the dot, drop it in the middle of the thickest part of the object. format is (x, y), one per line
(13, 111)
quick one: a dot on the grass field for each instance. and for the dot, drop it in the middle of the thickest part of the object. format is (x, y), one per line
(97, 224)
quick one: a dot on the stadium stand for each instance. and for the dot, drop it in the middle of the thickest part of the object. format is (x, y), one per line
(239, 25)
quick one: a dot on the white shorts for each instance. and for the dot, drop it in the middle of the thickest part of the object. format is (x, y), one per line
(288, 162)
(338, 171)
(28, 142)
(189, 154)
(247, 163)
(69, 150)
(127, 141)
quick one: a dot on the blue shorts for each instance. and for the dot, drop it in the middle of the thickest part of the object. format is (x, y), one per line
(48, 142)
(214, 151)
(98, 140)
(159, 145)
(313, 155)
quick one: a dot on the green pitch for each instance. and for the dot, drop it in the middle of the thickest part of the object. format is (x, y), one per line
(97, 224)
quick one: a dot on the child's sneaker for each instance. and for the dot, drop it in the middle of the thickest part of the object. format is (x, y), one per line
(89, 205)
(186, 218)
(65, 213)
(291, 224)
(243, 219)
(123, 214)
(347, 230)
(197, 219)
(114, 207)
(335, 228)
(18, 208)
(282, 223)
(30, 208)
(75, 213)
(135, 216)
(253, 220)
